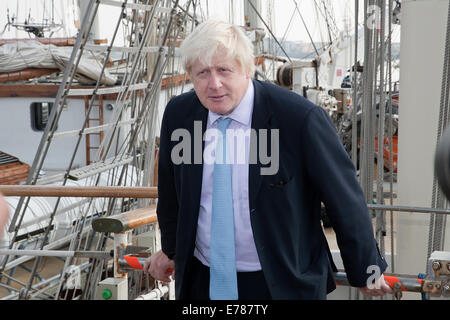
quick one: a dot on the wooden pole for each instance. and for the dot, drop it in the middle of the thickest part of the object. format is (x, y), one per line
(87, 192)
(125, 221)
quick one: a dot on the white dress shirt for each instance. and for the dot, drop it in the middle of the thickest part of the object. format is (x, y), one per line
(246, 255)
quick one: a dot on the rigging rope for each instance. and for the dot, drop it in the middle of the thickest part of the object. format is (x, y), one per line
(381, 219)
(307, 30)
(390, 133)
(268, 29)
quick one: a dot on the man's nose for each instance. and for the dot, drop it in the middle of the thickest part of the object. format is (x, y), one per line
(214, 81)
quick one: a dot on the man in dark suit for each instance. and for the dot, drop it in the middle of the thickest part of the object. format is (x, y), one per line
(269, 186)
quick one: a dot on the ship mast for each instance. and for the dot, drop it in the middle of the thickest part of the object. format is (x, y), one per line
(251, 9)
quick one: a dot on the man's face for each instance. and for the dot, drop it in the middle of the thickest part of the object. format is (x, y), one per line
(220, 86)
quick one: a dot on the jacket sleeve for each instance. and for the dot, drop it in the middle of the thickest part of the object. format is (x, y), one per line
(333, 175)
(167, 207)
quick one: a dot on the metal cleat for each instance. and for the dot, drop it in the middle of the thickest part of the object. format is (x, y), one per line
(397, 291)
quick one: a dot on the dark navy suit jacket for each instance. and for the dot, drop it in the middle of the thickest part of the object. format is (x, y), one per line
(284, 207)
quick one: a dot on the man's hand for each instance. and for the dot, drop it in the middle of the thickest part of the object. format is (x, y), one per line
(160, 267)
(377, 289)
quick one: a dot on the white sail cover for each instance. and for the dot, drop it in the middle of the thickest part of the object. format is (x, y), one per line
(33, 54)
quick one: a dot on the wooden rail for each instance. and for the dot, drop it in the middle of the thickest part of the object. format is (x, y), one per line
(87, 192)
(55, 41)
(126, 221)
(25, 74)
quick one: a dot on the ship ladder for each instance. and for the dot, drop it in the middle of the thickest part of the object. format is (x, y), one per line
(97, 119)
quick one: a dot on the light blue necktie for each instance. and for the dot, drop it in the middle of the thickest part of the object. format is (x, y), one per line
(223, 278)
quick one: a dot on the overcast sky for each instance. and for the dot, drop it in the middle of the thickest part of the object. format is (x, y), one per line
(285, 18)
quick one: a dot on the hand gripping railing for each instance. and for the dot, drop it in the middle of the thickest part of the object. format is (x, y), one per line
(436, 284)
(128, 257)
(396, 282)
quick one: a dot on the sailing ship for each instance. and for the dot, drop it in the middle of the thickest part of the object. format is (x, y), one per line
(89, 118)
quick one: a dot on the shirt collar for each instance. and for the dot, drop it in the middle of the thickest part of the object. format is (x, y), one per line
(243, 112)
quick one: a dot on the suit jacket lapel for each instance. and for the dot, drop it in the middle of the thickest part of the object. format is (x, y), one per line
(260, 120)
(195, 171)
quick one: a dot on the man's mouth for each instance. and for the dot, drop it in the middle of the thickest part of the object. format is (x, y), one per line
(217, 98)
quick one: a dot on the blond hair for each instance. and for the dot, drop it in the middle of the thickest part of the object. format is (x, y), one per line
(212, 37)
